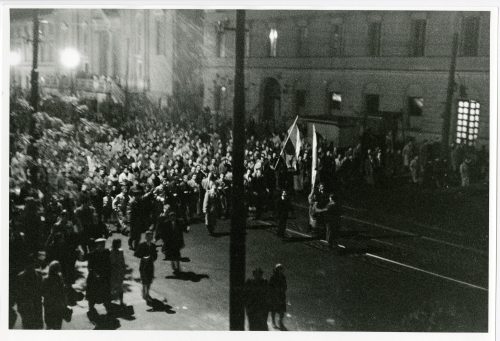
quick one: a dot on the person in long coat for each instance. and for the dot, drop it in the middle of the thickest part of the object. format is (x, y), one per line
(146, 251)
(118, 269)
(54, 297)
(173, 239)
(98, 283)
(211, 208)
(283, 207)
(29, 296)
(332, 220)
(277, 295)
(256, 301)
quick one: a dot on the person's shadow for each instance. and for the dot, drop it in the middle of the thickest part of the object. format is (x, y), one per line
(188, 276)
(103, 322)
(125, 312)
(157, 305)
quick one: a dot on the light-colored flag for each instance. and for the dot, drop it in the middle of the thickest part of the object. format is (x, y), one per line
(293, 142)
(314, 157)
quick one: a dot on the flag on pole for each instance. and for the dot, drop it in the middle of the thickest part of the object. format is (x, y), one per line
(293, 142)
(314, 156)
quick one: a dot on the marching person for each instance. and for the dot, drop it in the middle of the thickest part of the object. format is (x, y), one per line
(283, 207)
(277, 295)
(54, 297)
(118, 269)
(210, 208)
(146, 251)
(332, 220)
(98, 283)
(256, 301)
(29, 295)
(173, 239)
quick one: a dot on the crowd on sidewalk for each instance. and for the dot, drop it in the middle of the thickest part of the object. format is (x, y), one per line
(159, 180)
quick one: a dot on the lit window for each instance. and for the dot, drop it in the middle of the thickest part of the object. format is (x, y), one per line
(467, 121)
(273, 40)
(335, 100)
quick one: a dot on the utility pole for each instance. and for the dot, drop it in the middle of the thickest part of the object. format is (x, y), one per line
(238, 219)
(445, 135)
(35, 96)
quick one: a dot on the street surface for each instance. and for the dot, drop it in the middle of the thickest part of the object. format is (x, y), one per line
(379, 280)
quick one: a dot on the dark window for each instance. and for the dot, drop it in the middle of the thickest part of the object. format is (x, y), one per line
(302, 48)
(372, 104)
(415, 106)
(300, 101)
(470, 36)
(418, 37)
(336, 40)
(217, 98)
(334, 100)
(374, 30)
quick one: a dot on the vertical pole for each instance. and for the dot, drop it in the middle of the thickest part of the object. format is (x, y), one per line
(238, 220)
(34, 69)
(445, 135)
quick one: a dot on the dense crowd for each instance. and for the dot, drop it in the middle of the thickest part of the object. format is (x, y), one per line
(163, 177)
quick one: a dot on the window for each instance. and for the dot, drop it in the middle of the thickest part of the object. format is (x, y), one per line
(302, 48)
(374, 30)
(467, 121)
(334, 100)
(418, 37)
(372, 104)
(300, 101)
(138, 35)
(220, 44)
(219, 92)
(336, 40)
(470, 36)
(273, 42)
(159, 47)
(247, 43)
(415, 106)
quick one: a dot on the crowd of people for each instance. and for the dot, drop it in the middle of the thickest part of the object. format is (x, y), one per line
(161, 179)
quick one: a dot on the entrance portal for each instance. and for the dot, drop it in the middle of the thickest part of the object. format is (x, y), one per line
(271, 105)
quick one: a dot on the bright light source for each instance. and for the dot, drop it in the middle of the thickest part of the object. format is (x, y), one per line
(15, 58)
(273, 34)
(70, 57)
(223, 89)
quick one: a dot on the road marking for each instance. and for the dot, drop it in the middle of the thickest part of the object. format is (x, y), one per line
(410, 234)
(427, 272)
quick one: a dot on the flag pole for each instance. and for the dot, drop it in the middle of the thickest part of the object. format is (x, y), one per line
(286, 140)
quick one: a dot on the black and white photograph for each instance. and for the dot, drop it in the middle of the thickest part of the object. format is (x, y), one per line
(246, 169)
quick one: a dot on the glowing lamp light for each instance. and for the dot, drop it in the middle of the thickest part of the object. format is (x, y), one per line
(70, 58)
(14, 58)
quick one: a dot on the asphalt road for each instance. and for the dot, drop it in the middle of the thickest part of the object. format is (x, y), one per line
(367, 286)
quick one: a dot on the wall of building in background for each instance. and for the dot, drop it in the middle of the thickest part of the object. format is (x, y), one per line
(397, 59)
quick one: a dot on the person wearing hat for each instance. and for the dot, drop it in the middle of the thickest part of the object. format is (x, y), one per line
(256, 301)
(146, 251)
(277, 295)
(98, 280)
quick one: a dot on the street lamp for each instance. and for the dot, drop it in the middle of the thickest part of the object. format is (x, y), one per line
(70, 59)
(14, 60)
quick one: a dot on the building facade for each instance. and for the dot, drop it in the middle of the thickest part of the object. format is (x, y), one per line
(368, 66)
(360, 64)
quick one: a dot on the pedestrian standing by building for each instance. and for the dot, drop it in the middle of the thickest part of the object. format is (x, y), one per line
(256, 301)
(283, 207)
(54, 297)
(277, 296)
(118, 269)
(146, 251)
(98, 283)
(29, 295)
